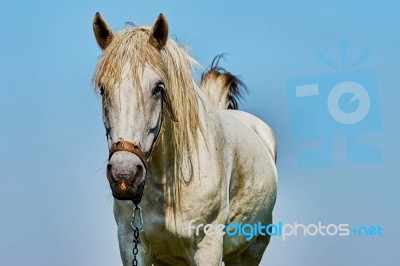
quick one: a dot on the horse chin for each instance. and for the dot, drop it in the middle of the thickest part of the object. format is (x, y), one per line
(125, 197)
(121, 191)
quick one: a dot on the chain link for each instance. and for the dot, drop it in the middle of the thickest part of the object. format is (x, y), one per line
(136, 228)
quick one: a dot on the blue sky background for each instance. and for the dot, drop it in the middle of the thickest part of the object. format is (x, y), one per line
(55, 204)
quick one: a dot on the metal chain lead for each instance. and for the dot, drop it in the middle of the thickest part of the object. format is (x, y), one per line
(136, 241)
(137, 214)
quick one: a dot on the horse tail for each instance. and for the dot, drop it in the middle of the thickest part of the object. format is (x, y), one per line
(223, 89)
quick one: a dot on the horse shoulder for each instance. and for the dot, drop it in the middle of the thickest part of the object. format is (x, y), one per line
(259, 127)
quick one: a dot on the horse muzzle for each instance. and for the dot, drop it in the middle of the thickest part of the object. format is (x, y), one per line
(126, 172)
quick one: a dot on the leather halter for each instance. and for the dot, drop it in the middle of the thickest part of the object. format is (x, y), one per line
(123, 145)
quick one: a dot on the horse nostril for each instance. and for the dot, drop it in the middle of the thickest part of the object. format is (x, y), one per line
(139, 171)
(109, 173)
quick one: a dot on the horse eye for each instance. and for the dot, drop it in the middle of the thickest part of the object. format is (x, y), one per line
(159, 88)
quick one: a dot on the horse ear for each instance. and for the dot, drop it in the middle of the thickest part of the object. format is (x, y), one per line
(159, 33)
(102, 31)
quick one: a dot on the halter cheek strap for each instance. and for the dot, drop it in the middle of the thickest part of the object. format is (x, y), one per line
(123, 145)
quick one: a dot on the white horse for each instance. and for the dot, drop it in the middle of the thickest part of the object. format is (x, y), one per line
(203, 165)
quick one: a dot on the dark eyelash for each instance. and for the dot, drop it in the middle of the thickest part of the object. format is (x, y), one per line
(159, 88)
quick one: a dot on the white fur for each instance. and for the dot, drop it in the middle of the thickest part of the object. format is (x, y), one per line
(236, 182)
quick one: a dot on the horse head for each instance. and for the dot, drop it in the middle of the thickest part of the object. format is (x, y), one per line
(131, 79)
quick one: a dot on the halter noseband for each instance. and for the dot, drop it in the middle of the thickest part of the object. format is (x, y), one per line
(123, 145)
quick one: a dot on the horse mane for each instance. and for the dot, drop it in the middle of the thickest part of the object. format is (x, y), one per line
(222, 87)
(172, 64)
